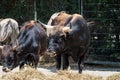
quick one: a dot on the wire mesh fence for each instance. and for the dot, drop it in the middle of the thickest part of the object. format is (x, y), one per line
(105, 35)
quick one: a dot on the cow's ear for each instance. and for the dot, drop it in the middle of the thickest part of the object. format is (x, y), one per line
(66, 29)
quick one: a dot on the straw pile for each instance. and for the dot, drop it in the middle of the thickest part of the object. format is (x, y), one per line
(67, 75)
(25, 74)
(114, 77)
(32, 74)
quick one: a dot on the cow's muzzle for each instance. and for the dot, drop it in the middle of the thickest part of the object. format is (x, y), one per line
(51, 53)
(6, 69)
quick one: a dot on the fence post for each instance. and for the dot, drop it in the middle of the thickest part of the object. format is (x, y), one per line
(81, 12)
(35, 11)
(80, 7)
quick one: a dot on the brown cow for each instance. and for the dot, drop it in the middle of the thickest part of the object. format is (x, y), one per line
(70, 36)
(32, 43)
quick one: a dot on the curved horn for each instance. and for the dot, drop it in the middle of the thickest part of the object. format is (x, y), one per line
(49, 28)
(46, 26)
(53, 17)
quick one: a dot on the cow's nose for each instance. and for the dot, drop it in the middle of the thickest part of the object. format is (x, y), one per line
(49, 49)
(51, 52)
(5, 69)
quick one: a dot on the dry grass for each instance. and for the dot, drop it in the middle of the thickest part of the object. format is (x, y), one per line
(25, 74)
(114, 77)
(32, 74)
(67, 75)
(46, 58)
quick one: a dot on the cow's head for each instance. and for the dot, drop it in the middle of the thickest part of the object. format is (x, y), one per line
(9, 58)
(58, 40)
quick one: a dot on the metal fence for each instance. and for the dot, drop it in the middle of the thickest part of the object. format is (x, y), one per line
(105, 35)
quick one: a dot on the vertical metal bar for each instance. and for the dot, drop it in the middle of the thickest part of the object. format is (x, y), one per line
(35, 10)
(81, 7)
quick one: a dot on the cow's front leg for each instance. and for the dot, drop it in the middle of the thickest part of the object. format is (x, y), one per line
(58, 61)
(36, 60)
(21, 64)
(65, 61)
(81, 64)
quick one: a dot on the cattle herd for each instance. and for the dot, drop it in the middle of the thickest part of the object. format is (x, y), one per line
(64, 35)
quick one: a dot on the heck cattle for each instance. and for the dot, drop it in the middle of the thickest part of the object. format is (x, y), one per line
(69, 36)
(32, 42)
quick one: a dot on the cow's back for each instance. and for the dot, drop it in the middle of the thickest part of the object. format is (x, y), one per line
(79, 33)
(60, 18)
(12, 31)
(42, 36)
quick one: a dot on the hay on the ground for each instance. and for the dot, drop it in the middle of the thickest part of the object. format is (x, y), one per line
(114, 77)
(34, 74)
(25, 74)
(67, 75)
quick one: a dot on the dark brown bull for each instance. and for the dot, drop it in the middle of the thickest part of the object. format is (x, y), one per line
(31, 44)
(70, 36)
